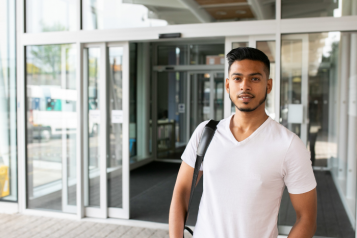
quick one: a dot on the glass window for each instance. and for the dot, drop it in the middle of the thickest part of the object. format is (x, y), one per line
(239, 44)
(8, 124)
(114, 166)
(109, 14)
(51, 127)
(318, 102)
(172, 55)
(210, 54)
(317, 8)
(50, 15)
(193, 54)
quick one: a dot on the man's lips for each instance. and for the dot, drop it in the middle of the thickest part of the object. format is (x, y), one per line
(245, 97)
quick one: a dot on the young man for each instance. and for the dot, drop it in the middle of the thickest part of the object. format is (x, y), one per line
(247, 165)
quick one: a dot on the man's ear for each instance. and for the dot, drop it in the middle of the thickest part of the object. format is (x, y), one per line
(270, 85)
(227, 85)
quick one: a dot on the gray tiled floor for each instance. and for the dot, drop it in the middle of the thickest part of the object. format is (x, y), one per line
(24, 226)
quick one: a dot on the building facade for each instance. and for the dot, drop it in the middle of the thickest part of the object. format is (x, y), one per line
(90, 90)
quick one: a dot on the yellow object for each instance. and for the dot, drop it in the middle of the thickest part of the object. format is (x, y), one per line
(4, 181)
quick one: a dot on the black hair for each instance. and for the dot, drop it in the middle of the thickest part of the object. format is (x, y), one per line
(242, 53)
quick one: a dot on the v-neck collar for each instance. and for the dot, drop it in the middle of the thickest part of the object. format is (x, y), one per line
(250, 136)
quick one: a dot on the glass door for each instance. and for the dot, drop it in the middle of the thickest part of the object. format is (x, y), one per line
(184, 100)
(106, 134)
(51, 128)
(172, 96)
(206, 97)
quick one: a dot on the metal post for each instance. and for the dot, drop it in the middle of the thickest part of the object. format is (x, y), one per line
(352, 121)
(342, 138)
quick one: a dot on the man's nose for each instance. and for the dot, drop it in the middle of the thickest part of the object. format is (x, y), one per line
(245, 85)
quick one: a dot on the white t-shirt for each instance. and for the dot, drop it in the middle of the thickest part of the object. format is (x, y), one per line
(243, 182)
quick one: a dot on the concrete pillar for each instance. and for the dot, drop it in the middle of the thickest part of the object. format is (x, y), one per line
(352, 121)
(344, 74)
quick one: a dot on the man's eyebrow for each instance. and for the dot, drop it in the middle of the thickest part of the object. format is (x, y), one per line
(252, 74)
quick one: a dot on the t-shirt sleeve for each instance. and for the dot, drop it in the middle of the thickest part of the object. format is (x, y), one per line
(297, 170)
(189, 155)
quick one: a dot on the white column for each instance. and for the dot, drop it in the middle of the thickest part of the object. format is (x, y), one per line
(103, 131)
(344, 74)
(81, 124)
(352, 121)
(143, 100)
(64, 132)
(21, 100)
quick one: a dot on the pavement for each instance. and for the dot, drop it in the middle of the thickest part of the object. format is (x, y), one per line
(26, 226)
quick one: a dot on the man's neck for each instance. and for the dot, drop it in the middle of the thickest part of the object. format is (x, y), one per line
(249, 121)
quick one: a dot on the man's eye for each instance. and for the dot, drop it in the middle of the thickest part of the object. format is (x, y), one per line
(255, 79)
(236, 79)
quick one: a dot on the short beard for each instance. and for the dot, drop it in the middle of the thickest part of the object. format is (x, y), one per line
(249, 109)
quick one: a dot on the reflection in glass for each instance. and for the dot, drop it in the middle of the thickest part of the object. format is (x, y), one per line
(51, 126)
(326, 64)
(268, 48)
(115, 115)
(93, 126)
(8, 130)
(50, 15)
(317, 8)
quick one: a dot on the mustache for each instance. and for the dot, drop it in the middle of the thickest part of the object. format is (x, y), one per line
(246, 93)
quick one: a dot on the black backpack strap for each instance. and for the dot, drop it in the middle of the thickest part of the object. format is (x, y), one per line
(205, 140)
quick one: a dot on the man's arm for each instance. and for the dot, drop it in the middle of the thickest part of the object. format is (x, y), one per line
(180, 199)
(305, 206)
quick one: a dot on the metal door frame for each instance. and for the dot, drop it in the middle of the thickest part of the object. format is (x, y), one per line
(104, 211)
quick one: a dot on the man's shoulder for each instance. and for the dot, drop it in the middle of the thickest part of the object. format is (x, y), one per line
(281, 133)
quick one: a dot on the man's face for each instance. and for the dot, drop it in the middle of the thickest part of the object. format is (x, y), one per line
(248, 84)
